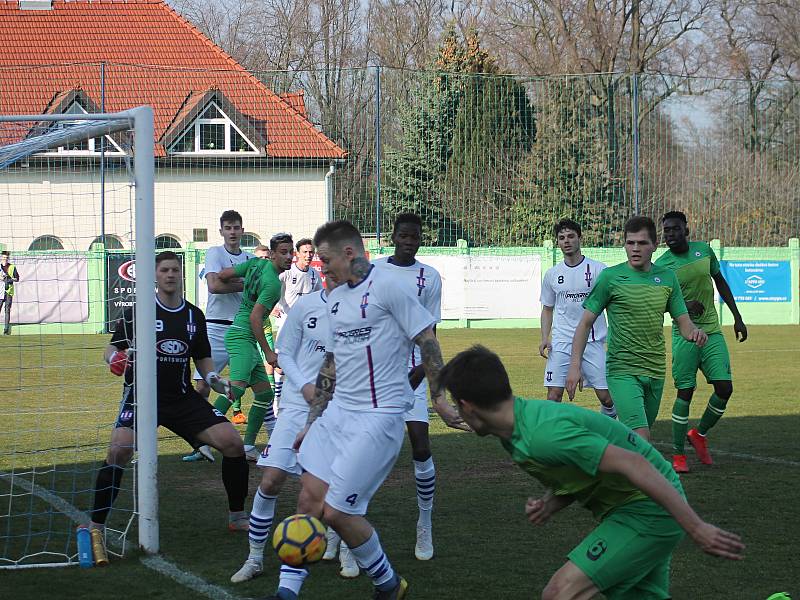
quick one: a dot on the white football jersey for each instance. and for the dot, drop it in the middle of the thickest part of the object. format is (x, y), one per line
(565, 288)
(424, 282)
(372, 326)
(301, 346)
(222, 307)
(297, 283)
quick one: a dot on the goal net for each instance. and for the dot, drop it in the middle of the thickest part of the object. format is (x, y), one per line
(66, 181)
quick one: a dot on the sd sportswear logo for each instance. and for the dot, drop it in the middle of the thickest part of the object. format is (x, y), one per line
(171, 347)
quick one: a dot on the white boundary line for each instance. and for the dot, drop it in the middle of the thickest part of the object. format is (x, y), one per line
(754, 457)
(189, 580)
(156, 563)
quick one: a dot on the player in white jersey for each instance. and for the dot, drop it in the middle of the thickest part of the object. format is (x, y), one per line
(299, 280)
(348, 451)
(300, 350)
(425, 284)
(223, 302)
(564, 288)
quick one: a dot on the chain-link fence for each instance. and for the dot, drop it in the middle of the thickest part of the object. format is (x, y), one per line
(491, 159)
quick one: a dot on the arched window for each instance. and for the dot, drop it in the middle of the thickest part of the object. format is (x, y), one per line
(249, 240)
(46, 242)
(166, 241)
(112, 242)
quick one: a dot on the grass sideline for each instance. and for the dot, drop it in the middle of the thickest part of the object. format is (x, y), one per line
(483, 544)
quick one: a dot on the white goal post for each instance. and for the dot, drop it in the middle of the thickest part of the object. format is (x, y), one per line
(76, 128)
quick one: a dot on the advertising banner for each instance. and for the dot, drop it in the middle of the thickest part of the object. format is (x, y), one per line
(51, 289)
(490, 286)
(121, 285)
(758, 281)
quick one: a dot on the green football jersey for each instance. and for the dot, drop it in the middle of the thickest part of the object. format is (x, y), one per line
(694, 269)
(261, 286)
(561, 445)
(635, 303)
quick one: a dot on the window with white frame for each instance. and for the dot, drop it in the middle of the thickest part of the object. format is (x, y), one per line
(87, 146)
(213, 132)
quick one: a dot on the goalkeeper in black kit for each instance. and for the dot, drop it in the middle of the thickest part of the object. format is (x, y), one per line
(180, 336)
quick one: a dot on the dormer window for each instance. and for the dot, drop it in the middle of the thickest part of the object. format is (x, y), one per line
(88, 146)
(213, 132)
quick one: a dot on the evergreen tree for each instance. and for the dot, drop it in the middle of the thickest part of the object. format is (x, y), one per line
(567, 173)
(467, 124)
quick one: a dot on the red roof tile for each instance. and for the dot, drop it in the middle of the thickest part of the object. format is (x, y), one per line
(152, 56)
(296, 100)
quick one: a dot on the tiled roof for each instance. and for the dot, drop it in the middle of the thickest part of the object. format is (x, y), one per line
(152, 56)
(296, 100)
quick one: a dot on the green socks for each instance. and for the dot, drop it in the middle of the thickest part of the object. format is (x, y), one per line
(712, 414)
(222, 404)
(680, 420)
(261, 404)
(680, 424)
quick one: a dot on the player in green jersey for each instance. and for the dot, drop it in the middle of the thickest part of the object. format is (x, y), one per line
(581, 455)
(262, 251)
(696, 266)
(635, 296)
(262, 290)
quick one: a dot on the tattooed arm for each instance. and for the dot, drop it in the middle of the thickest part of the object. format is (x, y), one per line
(323, 392)
(432, 363)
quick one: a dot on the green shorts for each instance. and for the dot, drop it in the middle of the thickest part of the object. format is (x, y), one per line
(637, 398)
(712, 359)
(246, 363)
(627, 555)
(270, 343)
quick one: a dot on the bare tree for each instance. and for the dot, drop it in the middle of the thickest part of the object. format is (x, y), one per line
(752, 48)
(542, 37)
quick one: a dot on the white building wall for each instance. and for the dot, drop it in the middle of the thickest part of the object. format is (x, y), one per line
(64, 201)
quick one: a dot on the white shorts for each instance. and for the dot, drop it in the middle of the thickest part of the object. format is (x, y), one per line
(593, 367)
(219, 354)
(277, 323)
(353, 452)
(279, 453)
(419, 411)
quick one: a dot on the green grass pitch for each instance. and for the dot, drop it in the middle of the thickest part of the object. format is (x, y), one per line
(51, 387)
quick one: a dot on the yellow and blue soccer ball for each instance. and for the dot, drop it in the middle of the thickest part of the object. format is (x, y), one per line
(299, 540)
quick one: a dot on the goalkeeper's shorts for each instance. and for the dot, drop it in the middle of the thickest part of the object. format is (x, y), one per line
(186, 415)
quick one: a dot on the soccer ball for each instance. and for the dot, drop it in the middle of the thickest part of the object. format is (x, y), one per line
(299, 540)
